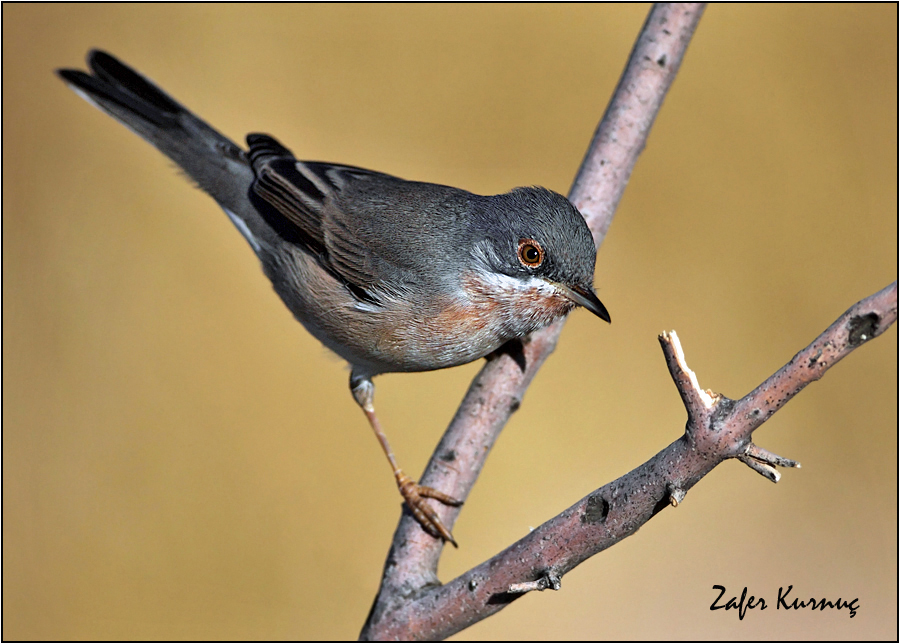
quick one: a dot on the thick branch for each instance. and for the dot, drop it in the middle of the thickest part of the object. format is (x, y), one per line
(715, 433)
(497, 391)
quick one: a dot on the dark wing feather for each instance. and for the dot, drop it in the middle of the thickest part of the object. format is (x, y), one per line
(298, 199)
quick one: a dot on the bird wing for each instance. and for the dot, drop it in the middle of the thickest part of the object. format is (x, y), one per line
(301, 201)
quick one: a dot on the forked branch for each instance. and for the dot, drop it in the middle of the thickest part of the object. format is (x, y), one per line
(410, 569)
(718, 429)
(411, 603)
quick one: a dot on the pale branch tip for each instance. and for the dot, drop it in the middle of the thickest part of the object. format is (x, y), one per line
(676, 494)
(758, 453)
(547, 581)
(685, 379)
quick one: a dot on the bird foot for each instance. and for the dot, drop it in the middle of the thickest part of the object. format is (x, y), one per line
(415, 496)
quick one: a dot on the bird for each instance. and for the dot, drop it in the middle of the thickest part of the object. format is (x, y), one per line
(391, 275)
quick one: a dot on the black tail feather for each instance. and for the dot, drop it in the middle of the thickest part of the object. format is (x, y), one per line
(213, 161)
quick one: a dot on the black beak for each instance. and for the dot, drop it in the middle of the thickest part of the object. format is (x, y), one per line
(585, 297)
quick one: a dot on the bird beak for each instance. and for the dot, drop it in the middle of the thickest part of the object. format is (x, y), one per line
(585, 297)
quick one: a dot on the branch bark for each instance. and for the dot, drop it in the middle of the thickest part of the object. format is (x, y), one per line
(410, 569)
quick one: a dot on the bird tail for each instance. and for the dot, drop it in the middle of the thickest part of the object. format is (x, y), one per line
(216, 163)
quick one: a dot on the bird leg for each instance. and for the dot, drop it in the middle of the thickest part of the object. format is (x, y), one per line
(413, 494)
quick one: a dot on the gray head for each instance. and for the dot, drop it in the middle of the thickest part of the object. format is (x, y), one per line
(536, 233)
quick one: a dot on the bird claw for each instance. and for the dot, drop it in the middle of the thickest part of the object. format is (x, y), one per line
(415, 496)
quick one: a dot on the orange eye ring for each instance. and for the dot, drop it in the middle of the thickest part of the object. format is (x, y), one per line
(530, 253)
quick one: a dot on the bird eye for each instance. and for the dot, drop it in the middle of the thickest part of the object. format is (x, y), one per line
(530, 253)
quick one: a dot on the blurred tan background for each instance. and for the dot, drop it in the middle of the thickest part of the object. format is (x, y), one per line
(181, 460)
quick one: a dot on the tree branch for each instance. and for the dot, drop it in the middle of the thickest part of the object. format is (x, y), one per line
(497, 391)
(718, 429)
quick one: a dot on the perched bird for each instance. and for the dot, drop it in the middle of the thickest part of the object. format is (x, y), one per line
(391, 275)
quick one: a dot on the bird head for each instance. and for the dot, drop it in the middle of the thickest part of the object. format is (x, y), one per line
(533, 249)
